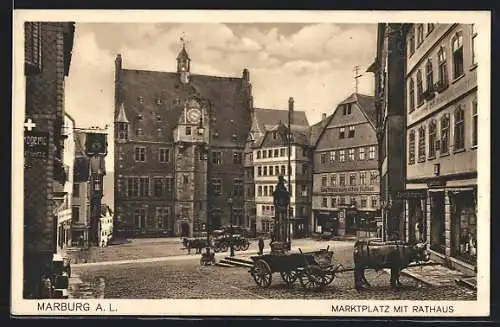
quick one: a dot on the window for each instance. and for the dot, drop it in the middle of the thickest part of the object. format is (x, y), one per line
(283, 171)
(217, 157)
(264, 154)
(420, 34)
(371, 152)
(158, 187)
(342, 133)
(139, 132)
(421, 144)
(138, 186)
(333, 180)
(271, 170)
(75, 213)
(430, 28)
(411, 148)
(373, 177)
(185, 179)
(140, 99)
(282, 152)
(140, 153)
(76, 190)
(123, 131)
(333, 202)
(265, 171)
(362, 177)
(32, 47)
(323, 181)
(445, 134)
(258, 154)
(217, 186)
(342, 200)
(411, 95)
(259, 171)
(374, 202)
(347, 109)
(459, 131)
(342, 179)
(429, 77)
(159, 132)
(474, 123)
(351, 154)
(275, 135)
(411, 43)
(188, 130)
(353, 200)
(237, 158)
(305, 152)
(352, 179)
(276, 153)
(169, 188)
(332, 157)
(139, 217)
(270, 153)
(442, 67)
(458, 55)
(322, 158)
(474, 45)
(266, 191)
(305, 169)
(351, 131)
(162, 217)
(361, 153)
(259, 190)
(432, 139)
(342, 155)
(238, 187)
(420, 89)
(364, 200)
(325, 203)
(164, 155)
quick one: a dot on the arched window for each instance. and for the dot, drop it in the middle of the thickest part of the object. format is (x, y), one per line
(443, 80)
(432, 139)
(420, 88)
(411, 43)
(458, 55)
(459, 132)
(420, 34)
(429, 77)
(411, 95)
(411, 148)
(474, 44)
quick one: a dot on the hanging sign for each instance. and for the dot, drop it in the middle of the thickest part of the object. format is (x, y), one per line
(36, 144)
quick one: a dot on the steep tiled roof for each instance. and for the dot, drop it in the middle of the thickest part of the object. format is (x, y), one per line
(271, 117)
(82, 162)
(316, 130)
(365, 102)
(227, 95)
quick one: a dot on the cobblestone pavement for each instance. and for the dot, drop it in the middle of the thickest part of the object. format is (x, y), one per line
(188, 280)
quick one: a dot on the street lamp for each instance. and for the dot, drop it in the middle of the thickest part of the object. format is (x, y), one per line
(231, 246)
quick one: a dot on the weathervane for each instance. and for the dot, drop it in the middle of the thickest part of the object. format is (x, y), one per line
(357, 75)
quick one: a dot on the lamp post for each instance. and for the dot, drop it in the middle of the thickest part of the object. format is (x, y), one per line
(231, 245)
(203, 155)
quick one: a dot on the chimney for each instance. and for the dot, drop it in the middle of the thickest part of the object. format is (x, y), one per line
(323, 119)
(290, 104)
(246, 75)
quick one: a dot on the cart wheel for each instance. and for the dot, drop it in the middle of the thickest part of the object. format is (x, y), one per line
(245, 246)
(313, 278)
(237, 247)
(261, 273)
(329, 274)
(202, 262)
(289, 277)
(224, 248)
(216, 248)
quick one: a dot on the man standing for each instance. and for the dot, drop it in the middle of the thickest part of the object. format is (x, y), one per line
(261, 245)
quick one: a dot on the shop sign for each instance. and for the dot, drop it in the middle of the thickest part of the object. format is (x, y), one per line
(348, 189)
(36, 144)
(410, 195)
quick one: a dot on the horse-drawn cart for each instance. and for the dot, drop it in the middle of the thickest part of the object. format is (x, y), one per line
(314, 270)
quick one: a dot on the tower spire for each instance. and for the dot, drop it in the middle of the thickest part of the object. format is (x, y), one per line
(183, 63)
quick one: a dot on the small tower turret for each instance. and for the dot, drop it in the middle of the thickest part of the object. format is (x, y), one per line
(183, 64)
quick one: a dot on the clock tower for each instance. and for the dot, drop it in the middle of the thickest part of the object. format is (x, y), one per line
(183, 64)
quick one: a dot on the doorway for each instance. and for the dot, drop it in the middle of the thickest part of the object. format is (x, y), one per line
(351, 222)
(438, 236)
(184, 230)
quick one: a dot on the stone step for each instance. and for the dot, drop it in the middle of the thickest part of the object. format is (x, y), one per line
(470, 282)
(242, 260)
(237, 263)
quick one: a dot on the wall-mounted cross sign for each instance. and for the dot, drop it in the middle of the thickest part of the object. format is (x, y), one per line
(29, 125)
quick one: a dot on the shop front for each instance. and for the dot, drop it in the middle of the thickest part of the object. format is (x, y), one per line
(463, 225)
(326, 222)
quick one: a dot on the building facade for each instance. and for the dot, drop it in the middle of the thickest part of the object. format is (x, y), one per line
(105, 225)
(270, 158)
(64, 212)
(179, 143)
(442, 139)
(48, 49)
(345, 196)
(389, 72)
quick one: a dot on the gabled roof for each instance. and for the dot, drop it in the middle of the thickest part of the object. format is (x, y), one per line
(272, 117)
(81, 167)
(316, 130)
(183, 53)
(230, 114)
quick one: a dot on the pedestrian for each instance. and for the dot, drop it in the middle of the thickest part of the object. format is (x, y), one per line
(261, 245)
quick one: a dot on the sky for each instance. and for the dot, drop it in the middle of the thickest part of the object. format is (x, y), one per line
(313, 63)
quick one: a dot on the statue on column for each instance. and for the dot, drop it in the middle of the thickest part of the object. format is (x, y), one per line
(281, 198)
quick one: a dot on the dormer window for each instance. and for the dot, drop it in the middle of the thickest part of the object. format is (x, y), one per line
(235, 137)
(159, 132)
(140, 99)
(188, 130)
(158, 118)
(122, 131)
(275, 135)
(158, 101)
(347, 109)
(177, 101)
(139, 132)
(140, 117)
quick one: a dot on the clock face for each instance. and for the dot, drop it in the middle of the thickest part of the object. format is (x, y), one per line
(194, 115)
